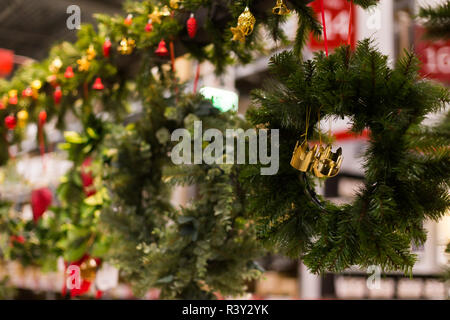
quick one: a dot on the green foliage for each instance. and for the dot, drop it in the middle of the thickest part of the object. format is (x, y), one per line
(406, 180)
(437, 20)
(193, 252)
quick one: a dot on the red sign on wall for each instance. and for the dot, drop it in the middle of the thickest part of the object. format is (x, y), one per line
(6, 62)
(337, 17)
(435, 56)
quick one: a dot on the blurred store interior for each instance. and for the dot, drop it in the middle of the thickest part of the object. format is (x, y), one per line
(29, 28)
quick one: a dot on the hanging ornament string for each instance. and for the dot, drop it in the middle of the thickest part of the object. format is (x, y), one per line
(350, 23)
(324, 27)
(197, 77)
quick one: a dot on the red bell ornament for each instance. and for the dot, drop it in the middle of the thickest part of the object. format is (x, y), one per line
(149, 26)
(128, 20)
(42, 117)
(10, 122)
(69, 73)
(191, 25)
(162, 49)
(107, 47)
(57, 95)
(41, 199)
(98, 85)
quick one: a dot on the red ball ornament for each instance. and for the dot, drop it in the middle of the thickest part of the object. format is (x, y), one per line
(128, 20)
(28, 92)
(69, 73)
(13, 100)
(41, 199)
(191, 25)
(107, 47)
(57, 95)
(162, 49)
(98, 85)
(10, 122)
(42, 117)
(2, 106)
(149, 26)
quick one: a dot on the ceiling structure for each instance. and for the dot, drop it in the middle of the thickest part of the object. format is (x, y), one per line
(31, 27)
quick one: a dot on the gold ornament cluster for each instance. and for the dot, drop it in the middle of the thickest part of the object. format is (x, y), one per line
(322, 162)
(246, 21)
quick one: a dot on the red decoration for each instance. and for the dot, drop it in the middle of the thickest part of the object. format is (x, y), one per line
(28, 92)
(18, 239)
(41, 199)
(2, 106)
(162, 49)
(98, 85)
(128, 20)
(191, 25)
(107, 47)
(13, 100)
(338, 14)
(6, 62)
(87, 178)
(69, 73)
(10, 122)
(57, 95)
(42, 117)
(149, 26)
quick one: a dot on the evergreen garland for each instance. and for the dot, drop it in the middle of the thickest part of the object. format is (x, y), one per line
(406, 175)
(437, 21)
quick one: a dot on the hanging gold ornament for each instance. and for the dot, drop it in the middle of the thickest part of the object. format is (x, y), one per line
(303, 158)
(327, 164)
(157, 14)
(83, 64)
(245, 25)
(165, 12)
(88, 269)
(55, 65)
(281, 8)
(126, 46)
(22, 118)
(174, 4)
(36, 85)
(12, 93)
(238, 35)
(90, 52)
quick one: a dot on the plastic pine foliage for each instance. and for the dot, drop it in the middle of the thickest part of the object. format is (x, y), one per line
(406, 173)
(437, 21)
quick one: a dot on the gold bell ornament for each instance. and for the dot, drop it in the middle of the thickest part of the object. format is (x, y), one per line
(22, 118)
(245, 25)
(83, 64)
(88, 269)
(90, 52)
(303, 157)
(281, 8)
(327, 164)
(126, 46)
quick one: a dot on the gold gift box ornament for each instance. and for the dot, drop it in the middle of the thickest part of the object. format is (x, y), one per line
(322, 162)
